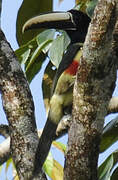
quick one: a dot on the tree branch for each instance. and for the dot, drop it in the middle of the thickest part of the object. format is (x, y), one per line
(93, 89)
(5, 151)
(19, 108)
(62, 129)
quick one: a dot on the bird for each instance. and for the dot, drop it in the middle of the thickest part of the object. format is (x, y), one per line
(75, 23)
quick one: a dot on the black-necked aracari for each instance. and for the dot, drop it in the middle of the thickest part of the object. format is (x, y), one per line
(75, 23)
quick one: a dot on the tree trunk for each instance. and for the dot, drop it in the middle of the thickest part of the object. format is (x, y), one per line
(95, 82)
(19, 108)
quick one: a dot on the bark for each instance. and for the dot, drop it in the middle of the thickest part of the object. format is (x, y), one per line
(19, 108)
(93, 89)
(62, 129)
(5, 151)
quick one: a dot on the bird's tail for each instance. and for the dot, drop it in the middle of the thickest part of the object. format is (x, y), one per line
(44, 145)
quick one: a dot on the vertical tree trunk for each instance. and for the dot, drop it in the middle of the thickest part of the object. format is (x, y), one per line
(93, 89)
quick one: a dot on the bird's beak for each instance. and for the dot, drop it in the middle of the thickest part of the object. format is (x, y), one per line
(56, 20)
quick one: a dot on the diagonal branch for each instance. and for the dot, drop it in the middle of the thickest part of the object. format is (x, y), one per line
(19, 108)
(5, 151)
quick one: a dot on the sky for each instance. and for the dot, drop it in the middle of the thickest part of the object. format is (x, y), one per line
(9, 14)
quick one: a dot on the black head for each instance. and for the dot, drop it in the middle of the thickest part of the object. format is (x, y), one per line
(81, 22)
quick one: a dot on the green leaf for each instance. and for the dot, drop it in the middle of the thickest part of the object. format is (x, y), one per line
(25, 56)
(52, 168)
(50, 73)
(24, 52)
(66, 39)
(86, 6)
(48, 165)
(105, 168)
(9, 161)
(60, 146)
(90, 7)
(114, 176)
(27, 10)
(115, 157)
(35, 67)
(106, 176)
(36, 54)
(43, 41)
(45, 35)
(110, 134)
(32, 53)
(81, 5)
(59, 45)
